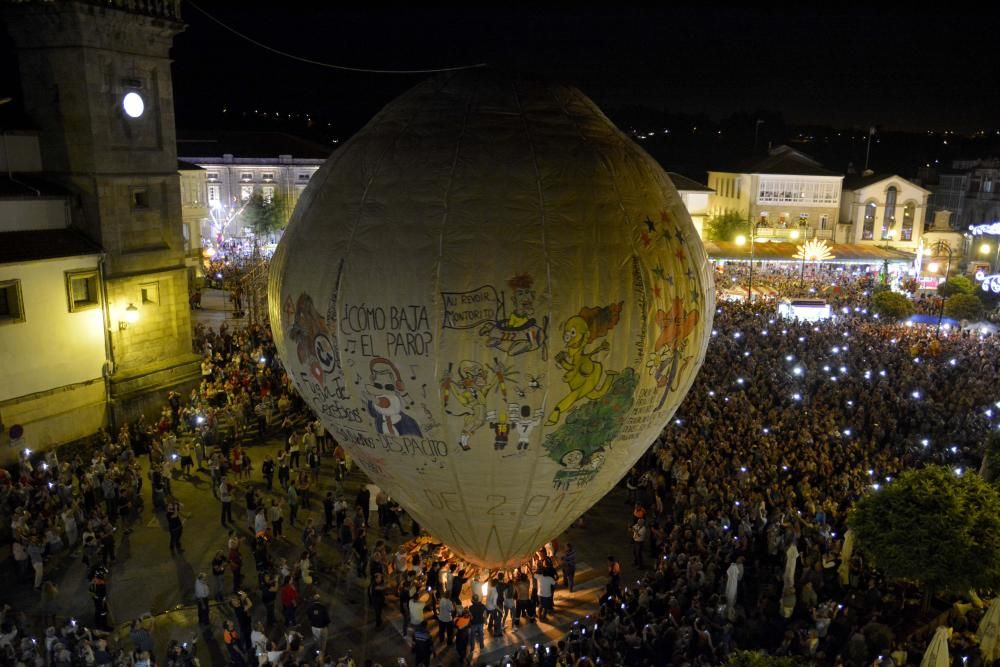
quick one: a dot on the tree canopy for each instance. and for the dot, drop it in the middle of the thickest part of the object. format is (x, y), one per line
(936, 526)
(963, 307)
(726, 226)
(264, 216)
(956, 285)
(891, 305)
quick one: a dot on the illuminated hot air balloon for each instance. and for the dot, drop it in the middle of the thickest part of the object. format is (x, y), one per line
(495, 301)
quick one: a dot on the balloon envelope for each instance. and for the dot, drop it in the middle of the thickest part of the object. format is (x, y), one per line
(495, 301)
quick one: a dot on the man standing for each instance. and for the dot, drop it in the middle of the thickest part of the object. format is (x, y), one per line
(638, 542)
(219, 565)
(478, 616)
(36, 554)
(328, 504)
(99, 593)
(614, 577)
(492, 610)
(319, 619)
(569, 566)
(446, 620)
(546, 593)
(423, 645)
(363, 500)
(175, 526)
(201, 593)
(293, 502)
(226, 497)
(267, 469)
(289, 601)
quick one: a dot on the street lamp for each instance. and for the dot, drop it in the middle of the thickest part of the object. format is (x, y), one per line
(740, 241)
(131, 317)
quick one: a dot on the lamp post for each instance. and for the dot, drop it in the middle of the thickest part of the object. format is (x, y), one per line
(802, 272)
(938, 247)
(740, 240)
(984, 249)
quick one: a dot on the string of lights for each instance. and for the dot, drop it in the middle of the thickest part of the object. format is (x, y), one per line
(345, 68)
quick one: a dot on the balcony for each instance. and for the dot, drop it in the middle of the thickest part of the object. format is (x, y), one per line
(785, 234)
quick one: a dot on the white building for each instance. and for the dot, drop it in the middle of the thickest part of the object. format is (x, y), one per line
(52, 329)
(696, 198)
(238, 165)
(883, 209)
(784, 191)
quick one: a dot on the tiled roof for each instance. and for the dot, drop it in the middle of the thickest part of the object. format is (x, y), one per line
(26, 246)
(687, 184)
(249, 145)
(783, 160)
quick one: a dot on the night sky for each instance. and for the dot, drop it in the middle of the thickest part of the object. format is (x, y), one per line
(904, 69)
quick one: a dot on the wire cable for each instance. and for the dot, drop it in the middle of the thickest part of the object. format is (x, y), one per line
(344, 68)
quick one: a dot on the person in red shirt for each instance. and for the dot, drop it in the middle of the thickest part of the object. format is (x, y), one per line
(289, 601)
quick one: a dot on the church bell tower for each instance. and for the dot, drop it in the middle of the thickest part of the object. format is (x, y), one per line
(96, 83)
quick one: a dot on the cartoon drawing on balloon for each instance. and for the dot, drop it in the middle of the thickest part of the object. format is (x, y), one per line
(519, 332)
(430, 424)
(578, 468)
(675, 327)
(385, 397)
(524, 422)
(501, 429)
(585, 376)
(579, 445)
(313, 339)
(470, 390)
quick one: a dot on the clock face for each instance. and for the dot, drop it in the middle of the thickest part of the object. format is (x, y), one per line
(133, 104)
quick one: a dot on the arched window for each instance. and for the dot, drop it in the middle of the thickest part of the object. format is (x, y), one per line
(889, 216)
(868, 231)
(909, 212)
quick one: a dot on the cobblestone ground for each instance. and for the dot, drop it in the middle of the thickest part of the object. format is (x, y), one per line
(147, 580)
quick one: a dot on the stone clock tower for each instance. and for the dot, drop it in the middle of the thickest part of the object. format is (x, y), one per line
(96, 82)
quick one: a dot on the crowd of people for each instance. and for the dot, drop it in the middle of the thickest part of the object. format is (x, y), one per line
(735, 516)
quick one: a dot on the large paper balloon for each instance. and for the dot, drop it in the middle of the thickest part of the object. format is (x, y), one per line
(495, 301)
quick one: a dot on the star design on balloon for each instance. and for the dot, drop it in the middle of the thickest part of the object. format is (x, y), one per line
(694, 294)
(646, 239)
(670, 279)
(679, 254)
(664, 216)
(679, 235)
(689, 274)
(658, 272)
(657, 290)
(667, 238)
(650, 226)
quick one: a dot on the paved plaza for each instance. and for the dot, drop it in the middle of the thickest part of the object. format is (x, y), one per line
(147, 581)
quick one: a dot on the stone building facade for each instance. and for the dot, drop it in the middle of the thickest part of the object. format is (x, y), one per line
(97, 85)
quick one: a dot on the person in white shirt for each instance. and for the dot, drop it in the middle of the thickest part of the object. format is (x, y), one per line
(638, 541)
(258, 639)
(446, 620)
(492, 610)
(546, 587)
(416, 607)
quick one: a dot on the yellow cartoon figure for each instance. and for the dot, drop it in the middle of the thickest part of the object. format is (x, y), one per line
(585, 376)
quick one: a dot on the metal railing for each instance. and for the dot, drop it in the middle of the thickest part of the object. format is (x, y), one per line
(785, 233)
